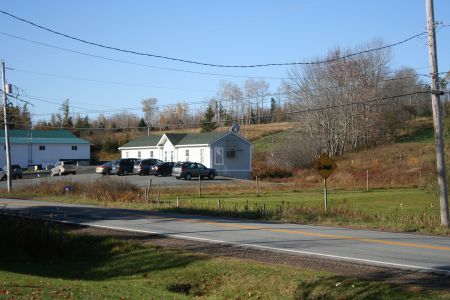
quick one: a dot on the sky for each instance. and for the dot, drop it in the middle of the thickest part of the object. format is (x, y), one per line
(98, 80)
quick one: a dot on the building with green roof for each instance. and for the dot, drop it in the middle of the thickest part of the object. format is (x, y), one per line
(228, 152)
(42, 147)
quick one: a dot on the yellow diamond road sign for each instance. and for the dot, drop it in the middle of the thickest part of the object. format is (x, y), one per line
(325, 166)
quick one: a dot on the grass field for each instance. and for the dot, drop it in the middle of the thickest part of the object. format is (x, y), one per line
(60, 265)
(410, 210)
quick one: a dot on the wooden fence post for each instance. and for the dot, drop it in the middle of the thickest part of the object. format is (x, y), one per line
(257, 186)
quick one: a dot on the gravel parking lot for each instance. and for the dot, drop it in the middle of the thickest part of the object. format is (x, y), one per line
(87, 174)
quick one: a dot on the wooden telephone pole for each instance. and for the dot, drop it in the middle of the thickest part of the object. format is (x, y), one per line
(437, 114)
(5, 120)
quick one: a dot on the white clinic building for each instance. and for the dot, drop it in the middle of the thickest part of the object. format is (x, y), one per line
(228, 152)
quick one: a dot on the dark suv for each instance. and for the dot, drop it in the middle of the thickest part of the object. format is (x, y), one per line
(162, 169)
(188, 169)
(123, 166)
(143, 167)
(16, 172)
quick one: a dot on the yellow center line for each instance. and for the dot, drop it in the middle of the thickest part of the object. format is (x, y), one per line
(292, 231)
(324, 235)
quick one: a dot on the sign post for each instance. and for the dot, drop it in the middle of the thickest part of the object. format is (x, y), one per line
(325, 166)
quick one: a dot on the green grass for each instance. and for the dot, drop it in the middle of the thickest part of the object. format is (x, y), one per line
(422, 135)
(410, 210)
(272, 139)
(90, 267)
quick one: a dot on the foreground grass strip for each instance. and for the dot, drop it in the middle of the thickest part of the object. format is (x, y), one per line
(40, 261)
(407, 210)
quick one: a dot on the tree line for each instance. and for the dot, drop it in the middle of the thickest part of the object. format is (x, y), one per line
(341, 105)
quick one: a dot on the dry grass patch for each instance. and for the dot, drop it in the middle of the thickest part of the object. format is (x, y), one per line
(253, 132)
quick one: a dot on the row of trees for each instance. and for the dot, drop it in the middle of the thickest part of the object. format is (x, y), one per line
(353, 103)
(347, 102)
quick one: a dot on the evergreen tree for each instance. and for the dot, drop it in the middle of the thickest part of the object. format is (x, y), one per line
(142, 124)
(207, 123)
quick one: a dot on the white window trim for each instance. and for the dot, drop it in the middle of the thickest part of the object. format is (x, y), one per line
(216, 149)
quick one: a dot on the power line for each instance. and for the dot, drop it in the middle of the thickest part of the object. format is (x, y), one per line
(173, 69)
(253, 100)
(169, 69)
(107, 82)
(139, 64)
(208, 64)
(293, 112)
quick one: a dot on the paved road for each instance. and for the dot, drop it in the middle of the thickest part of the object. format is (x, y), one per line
(415, 252)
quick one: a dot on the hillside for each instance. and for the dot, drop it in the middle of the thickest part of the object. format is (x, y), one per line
(408, 161)
(105, 144)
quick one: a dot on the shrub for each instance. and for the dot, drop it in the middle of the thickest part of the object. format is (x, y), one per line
(266, 170)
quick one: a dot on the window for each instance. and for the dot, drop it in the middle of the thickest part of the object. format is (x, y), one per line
(187, 154)
(74, 148)
(139, 154)
(171, 155)
(218, 155)
(231, 153)
(165, 155)
(202, 156)
(151, 153)
(41, 148)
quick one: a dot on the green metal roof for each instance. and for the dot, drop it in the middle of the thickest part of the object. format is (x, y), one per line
(41, 137)
(198, 138)
(177, 139)
(144, 141)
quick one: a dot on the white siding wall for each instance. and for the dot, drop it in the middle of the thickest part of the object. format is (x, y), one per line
(24, 154)
(134, 153)
(19, 155)
(195, 154)
(167, 151)
(56, 152)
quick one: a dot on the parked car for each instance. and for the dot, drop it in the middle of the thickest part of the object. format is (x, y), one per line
(187, 170)
(143, 167)
(16, 172)
(63, 168)
(162, 169)
(123, 166)
(104, 169)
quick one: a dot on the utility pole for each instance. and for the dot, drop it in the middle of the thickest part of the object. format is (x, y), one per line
(437, 114)
(5, 120)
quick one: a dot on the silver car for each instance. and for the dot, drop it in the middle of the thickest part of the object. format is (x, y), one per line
(63, 168)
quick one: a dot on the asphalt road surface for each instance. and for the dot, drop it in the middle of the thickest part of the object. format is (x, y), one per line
(396, 250)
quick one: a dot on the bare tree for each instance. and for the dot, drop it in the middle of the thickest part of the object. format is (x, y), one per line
(231, 98)
(336, 96)
(256, 93)
(149, 108)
